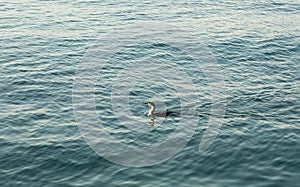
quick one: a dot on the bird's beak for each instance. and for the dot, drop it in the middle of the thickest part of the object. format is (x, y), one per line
(145, 103)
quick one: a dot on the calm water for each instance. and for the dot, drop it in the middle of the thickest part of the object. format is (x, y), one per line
(256, 44)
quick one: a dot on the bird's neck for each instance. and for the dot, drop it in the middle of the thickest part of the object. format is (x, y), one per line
(151, 110)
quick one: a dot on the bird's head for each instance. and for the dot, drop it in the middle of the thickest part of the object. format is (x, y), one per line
(149, 103)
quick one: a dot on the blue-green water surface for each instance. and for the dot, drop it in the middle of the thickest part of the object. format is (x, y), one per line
(255, 43)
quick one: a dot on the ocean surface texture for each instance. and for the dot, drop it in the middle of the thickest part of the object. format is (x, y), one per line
(256, 45)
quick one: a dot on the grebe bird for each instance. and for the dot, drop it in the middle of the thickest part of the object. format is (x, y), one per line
(152, 112)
